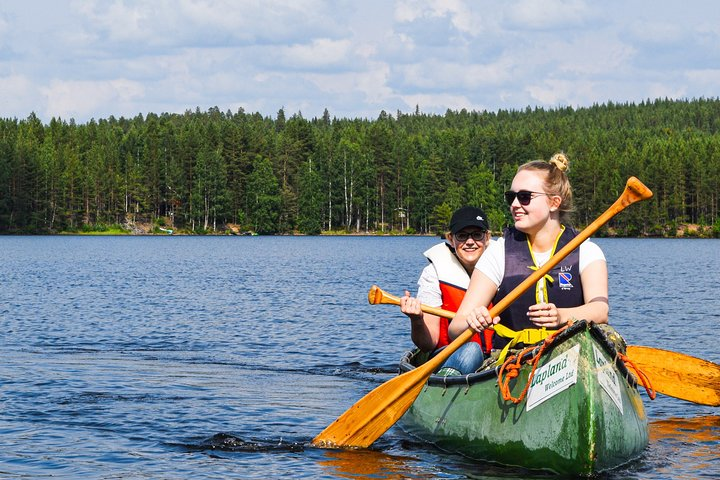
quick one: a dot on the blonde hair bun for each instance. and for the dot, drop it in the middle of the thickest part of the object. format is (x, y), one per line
(560, 161)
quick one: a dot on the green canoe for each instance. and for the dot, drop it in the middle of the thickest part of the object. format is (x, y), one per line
(582, 413)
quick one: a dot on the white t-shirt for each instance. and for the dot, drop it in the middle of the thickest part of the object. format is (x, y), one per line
(492, 262)
(429, 287)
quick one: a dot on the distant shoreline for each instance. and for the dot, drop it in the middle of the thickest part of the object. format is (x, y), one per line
(687, 231)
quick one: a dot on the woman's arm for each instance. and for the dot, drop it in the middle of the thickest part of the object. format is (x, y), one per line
(473, 308)
(424, 327)
(594, 280)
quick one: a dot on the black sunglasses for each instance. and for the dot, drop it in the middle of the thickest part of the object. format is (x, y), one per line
(523, 196)
(478, 236)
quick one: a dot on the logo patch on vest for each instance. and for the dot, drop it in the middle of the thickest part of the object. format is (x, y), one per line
(565, 280)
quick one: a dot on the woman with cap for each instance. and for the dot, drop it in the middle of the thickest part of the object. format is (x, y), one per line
(443, 284)
(540, 201)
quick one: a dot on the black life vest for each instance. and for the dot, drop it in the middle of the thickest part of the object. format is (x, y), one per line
(562, 283)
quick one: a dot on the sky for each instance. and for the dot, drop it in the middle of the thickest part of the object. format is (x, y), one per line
(92, 59)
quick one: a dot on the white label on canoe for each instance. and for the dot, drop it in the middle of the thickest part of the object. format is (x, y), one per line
(608, 378)
(558, 375)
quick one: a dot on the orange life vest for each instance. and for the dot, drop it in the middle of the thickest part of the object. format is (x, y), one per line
(454, 281)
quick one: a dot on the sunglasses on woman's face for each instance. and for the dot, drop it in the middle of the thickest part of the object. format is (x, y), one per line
(523, 196)
(478, 236)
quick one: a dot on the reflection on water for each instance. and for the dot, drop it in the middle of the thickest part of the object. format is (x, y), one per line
(368, 464)
(692, 444)
(705, 429)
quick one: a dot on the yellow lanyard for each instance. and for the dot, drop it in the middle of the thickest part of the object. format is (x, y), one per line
(541, 295)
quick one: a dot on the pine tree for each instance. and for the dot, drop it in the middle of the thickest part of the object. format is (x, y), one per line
(263, 197)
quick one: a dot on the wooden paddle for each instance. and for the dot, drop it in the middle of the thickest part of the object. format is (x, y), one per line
(674, 374)
(679, 375)
(377, 411)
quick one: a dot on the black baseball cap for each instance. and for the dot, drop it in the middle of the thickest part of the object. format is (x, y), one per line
(468, 217)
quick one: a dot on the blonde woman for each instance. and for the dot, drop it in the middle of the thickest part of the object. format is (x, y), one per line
(540, 199)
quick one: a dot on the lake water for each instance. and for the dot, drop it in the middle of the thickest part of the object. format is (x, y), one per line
(211, 357)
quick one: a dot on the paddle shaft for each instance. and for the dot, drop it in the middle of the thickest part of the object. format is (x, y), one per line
(377, 411)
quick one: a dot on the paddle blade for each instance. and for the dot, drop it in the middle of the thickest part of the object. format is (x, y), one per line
(375, 413)
(679, 375)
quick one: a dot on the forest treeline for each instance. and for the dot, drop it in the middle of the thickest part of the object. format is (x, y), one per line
(200, 171)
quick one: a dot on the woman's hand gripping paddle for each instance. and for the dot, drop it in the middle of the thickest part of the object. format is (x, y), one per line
(377, 411)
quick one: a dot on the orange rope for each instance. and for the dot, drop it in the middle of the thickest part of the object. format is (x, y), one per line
(641, 375)
(511, 367)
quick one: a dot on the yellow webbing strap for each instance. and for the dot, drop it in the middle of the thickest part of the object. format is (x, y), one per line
(528, 336)
(541, 290)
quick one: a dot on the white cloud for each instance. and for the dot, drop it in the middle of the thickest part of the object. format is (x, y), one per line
(460, 13)
(582, 56)
(561, 92)
(371, 83)
(171, 23)
(318, 53)
(557, 15)
(656, 32)
(16, 91)
(81, 98)
(92, 58)
(435, 75)
(707, 77)
(4, 29)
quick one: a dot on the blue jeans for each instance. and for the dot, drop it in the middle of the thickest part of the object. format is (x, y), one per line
(466, 359)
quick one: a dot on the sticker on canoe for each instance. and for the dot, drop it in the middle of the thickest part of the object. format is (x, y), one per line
(558, 375)
(608, 378)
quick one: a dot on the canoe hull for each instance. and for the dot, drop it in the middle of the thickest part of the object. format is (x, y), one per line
(594, 422)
